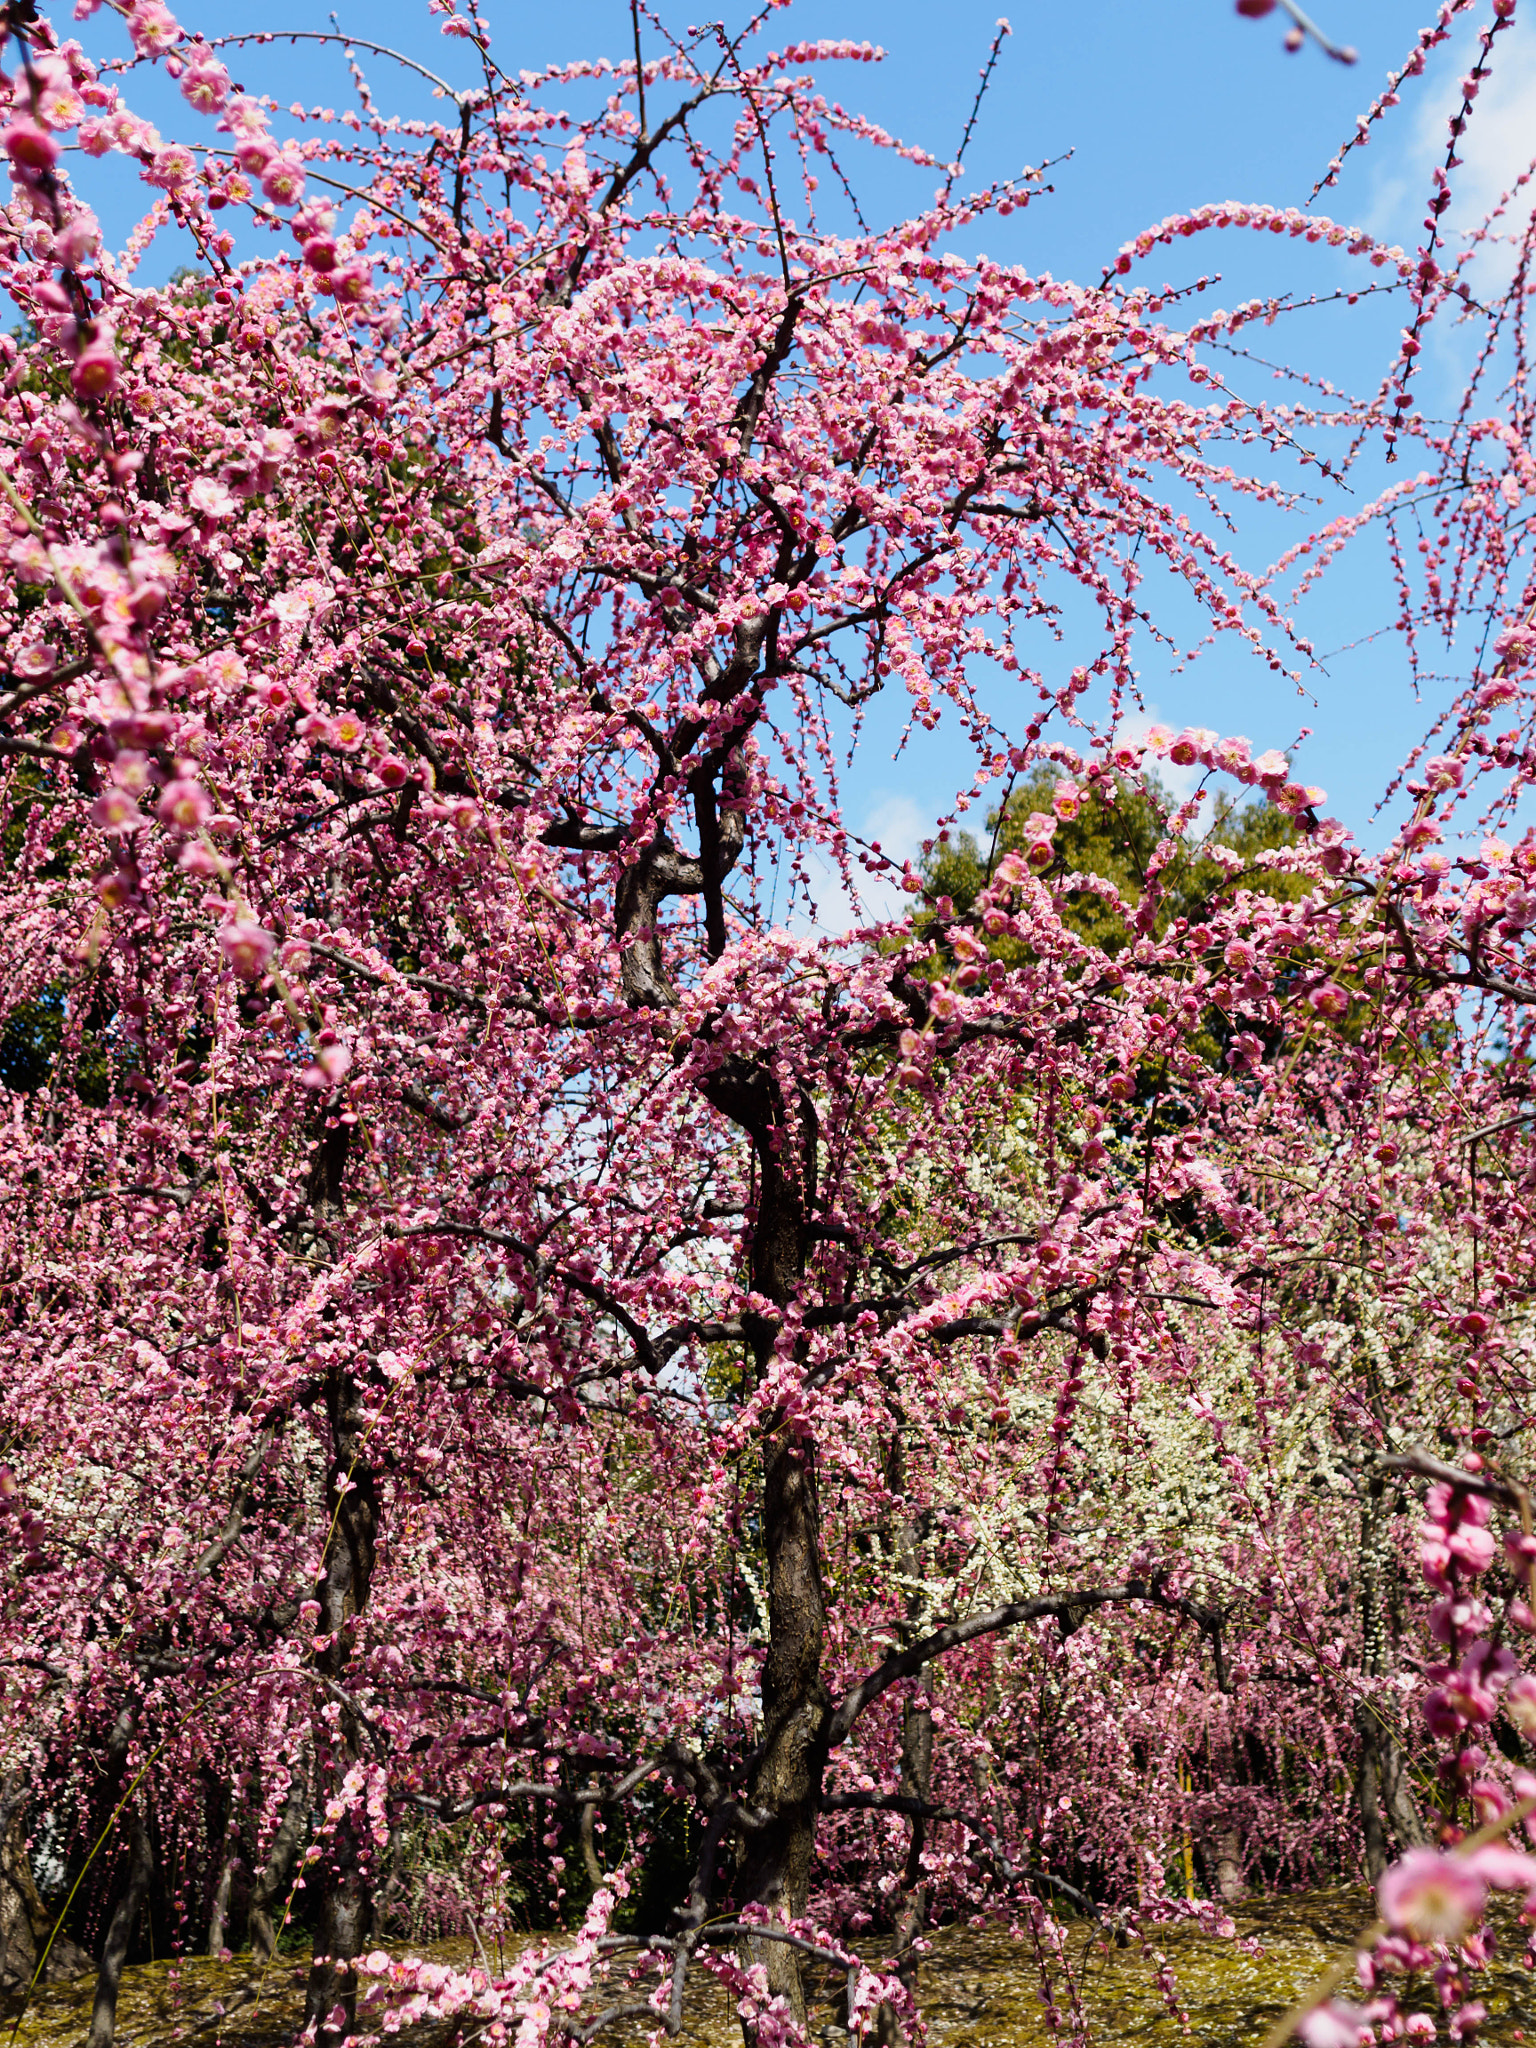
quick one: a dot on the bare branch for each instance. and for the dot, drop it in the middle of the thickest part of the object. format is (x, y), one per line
(1069, 1609)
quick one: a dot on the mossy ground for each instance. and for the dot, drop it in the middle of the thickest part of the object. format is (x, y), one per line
(979, 1990)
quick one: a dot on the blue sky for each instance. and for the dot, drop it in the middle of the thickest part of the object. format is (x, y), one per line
(1153, 110)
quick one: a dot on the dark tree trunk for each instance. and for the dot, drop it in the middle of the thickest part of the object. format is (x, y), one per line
(114, 1953)
(344, 1921)
(588, 1835)
(342, 1931)
(910, 1918)
(219, 1809)
(277, 1872)
(776, 1868)
(777, 1852)
(22, 1919)
(776, 1859)
(1385, 1800)
(218, 1911)
(25, 1923)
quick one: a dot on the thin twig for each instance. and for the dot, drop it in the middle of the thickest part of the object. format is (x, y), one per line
(1003, 30)
(634, 17)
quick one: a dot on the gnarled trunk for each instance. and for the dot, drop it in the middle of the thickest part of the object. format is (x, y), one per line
(25, 1923)
(21, 1910)
(910, 1917)
(344, 1921)
(777, 1854)
(114, 1951)
(1382, 1789)
(786, 1786)
(277, 1872)
(219, 1810)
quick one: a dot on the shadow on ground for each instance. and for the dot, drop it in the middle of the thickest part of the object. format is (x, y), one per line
(980, 1989)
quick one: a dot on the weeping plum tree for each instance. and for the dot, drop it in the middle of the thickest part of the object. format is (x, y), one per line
(541, 1381)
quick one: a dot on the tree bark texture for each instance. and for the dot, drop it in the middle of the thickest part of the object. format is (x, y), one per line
(776, 1859)
(125, 1917)
(905, 1547)
(277, 1872)
(1385, 1800)
(344, 1921)
(25, 1922)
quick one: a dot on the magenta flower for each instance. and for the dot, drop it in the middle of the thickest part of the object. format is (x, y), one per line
(95, 371)
(351, 283)
(1431, 1897)
(247, 948)
(205, 85)
(283, 181)
(29, 147)
(184, 804)
(115, 811)
(1334, 2025)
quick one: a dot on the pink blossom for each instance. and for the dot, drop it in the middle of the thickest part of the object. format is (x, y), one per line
(79, 240)
(95, 371)
(115, 811)
(1515, 647)
(170, 168)
(1472, 1547)
(1434, 1898)
(58, 104)
(1442, 772)
(1329, 1000)
(153, 27)
(1502, 1868)
(247, 948)
(30, 147)
(1495, 693)
(184, 804)
(205, 84)
(282, 179)
(350, 283)
(332, 1062)
(254, 150)
(211, 497)
(1334, 2025)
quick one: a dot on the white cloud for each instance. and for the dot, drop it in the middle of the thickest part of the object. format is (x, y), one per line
(1496, 149)
(899, 828)
(898, 825)
(1179, 782)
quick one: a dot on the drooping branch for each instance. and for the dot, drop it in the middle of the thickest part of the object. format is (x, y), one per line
(1070, 1610)
(120, 1932)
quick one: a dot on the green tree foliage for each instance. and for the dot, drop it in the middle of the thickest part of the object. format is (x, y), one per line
(1115, 834)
